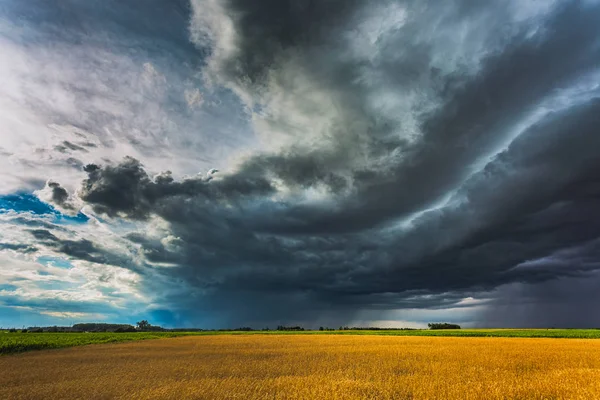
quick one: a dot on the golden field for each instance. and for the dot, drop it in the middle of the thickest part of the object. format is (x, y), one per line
(310, 367)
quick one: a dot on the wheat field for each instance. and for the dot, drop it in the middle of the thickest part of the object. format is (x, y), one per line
(310, 367)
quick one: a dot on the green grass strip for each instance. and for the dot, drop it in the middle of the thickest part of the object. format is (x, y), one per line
(11, 343)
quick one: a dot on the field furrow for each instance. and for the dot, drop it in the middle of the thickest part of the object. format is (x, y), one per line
(310, 367)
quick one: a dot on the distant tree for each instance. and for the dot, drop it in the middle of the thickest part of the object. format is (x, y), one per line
(102, 327)
(443, 325)
(321, 328)
(289, 328)
(123, 329)
(143, 325)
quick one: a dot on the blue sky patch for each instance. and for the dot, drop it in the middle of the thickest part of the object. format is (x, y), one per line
(57, 285)
(30, 203)
(54, 262)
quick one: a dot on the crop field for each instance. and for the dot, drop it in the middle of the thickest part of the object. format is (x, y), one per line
(310, 367)
(21, 342)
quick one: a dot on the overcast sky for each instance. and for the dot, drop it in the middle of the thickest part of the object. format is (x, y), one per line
(225, 163)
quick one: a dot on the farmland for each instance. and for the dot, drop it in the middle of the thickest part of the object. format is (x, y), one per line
(21, 342)
(322, 366)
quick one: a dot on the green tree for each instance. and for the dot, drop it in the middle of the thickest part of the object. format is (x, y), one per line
(143, 325)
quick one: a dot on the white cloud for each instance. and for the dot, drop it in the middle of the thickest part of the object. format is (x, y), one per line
(118, 103)
(73, 315)
(194, 98)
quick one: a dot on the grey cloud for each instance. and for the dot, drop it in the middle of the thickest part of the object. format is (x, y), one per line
(21, 248)
(418, 167)
(60, 196)
(65, 146)
(43, 235)
(154, 250)
(80, 249)
(128, 190)
(143, 64)
(269, 29)
(84, 249)
(479, 113)
(75, 163)
(298, 169)
(464, 249)
(533, 199)
(37, 223)
(569, 302)
(59, 305)
(497, 221)
(381, 241)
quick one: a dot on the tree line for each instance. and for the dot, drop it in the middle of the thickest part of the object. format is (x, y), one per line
(443, 325)
(94, 327)
(145, 326)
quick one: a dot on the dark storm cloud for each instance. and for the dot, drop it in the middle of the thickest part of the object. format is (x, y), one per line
(500, 186)
(478, 112)
(270, 28)
(569, 302)
(60, 196)
(297, 169)
(21, 248)
(530, 201)
(81, 249)
(43, 235)
(126, 189)
(499, 224)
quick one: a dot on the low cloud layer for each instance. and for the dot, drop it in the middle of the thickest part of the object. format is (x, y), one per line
(397, 161)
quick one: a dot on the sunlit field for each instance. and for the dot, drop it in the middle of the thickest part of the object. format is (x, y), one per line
(21, 342)
(310, 367)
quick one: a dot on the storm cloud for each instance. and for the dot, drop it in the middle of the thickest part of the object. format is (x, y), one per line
(395, 160)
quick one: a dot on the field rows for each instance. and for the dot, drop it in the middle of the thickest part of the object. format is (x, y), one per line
(21, 342)
(310, 367)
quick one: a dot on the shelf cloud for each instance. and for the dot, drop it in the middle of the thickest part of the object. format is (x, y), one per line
(222, 163)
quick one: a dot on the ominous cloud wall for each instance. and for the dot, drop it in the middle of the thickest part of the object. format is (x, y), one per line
(412, 155)
(420, 148)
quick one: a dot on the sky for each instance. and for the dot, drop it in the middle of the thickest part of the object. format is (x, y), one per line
(226, 163)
